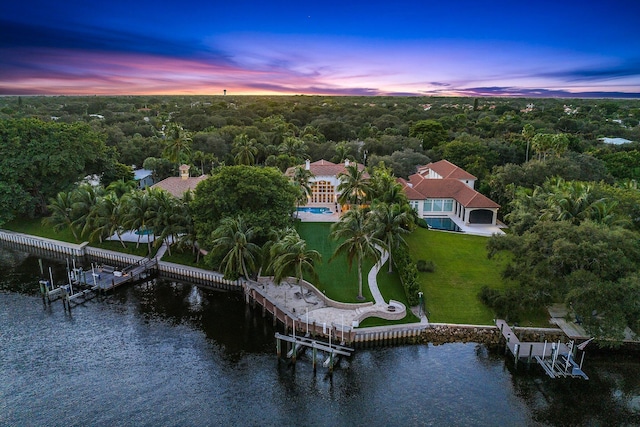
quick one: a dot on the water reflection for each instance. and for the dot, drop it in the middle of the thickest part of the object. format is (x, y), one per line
(168, 353)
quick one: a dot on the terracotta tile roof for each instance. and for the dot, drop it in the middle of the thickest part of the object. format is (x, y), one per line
(177, 186)
(325, 168)
(446, 169)
(411, 193)
(448, 189)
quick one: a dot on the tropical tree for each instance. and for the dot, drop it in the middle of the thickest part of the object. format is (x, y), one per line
(121, 187)
(234, 239)
(177, 143)
(301, 178)
(167, 220)
(389, 223)
(61, 207)
(290, 257)
(358, 243)
(85, 198)
(104, 219)
(137, 209)
(354, 185)
(245, 150)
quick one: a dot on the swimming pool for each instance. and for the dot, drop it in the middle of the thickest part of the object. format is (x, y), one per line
(315, 210)
(446, 224)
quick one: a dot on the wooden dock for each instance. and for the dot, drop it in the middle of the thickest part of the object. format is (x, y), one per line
(106, 278)
(556, 358)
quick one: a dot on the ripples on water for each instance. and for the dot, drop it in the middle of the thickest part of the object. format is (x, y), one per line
(171, 354)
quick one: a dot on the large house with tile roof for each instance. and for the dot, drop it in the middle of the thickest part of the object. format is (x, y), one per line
(178, 185)
(325, 180)
(442, 189)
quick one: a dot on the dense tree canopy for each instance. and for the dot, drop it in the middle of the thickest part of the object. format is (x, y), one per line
(264, 198)
(38, 159)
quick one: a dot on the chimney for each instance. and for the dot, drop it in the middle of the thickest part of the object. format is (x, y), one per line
(184, 171)
(307, 164)
(346, 162)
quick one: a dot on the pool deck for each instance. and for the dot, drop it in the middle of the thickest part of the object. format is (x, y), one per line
(474, 229)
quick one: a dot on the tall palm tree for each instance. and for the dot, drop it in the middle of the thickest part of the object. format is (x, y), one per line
(177, 144)
(166, 221)
(389, 223)
(354, 185)
(104, 219)
(358, 243)
(234, 239)
(290, 257)
(245, 150)
(61, 207)
(301, 178)
(138, 208)
(85, 198)
(121, 187)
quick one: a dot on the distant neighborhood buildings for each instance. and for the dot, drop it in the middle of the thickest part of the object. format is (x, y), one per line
(144, 178)
(615, 141)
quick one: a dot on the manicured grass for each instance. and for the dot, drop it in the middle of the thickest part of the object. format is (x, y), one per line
(341, 285)
(183, 257)
(34, 227)
(462, 269)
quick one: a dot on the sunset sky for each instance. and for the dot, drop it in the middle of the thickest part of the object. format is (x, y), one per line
(455, 47)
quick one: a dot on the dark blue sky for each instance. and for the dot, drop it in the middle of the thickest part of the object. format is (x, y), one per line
(541, 48)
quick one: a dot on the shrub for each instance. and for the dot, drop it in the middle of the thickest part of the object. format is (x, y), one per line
(425, 266)
(408, 273)
(422, 223)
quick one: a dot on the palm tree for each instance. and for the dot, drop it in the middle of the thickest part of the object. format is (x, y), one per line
(354, 185)
(137, 209)
(121, 187)
(177, 144)
(104, 219)
(290, 257)
(389, 223)
(245, 150)
(60, 208)
(234, 238)
(358, 242)
(166, 221)
(301, 178)
(85, 198)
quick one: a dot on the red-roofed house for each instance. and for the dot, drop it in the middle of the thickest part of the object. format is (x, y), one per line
(325, 181)
(442, 189)
(178, 185)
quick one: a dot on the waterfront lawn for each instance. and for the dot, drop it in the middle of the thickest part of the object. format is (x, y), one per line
(34, 227)
(461, 270)
(184, 257)
(333, 275)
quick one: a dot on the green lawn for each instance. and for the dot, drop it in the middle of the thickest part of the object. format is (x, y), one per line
(462, 269)
(340, 284)
(34, 227)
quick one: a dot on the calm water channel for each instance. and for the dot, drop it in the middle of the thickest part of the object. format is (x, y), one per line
(170, 354)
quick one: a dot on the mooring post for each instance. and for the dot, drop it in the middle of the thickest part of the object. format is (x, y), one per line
(275, 315)
(530, 354)
(331, 362)
(506, 344)
(313, 346)
(278, 348)
(516, 353)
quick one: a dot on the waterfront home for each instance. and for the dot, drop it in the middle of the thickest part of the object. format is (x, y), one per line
(443, 193)
(325, 180)
(178, 185)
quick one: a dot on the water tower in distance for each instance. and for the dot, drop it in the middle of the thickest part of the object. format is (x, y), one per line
(224, 92)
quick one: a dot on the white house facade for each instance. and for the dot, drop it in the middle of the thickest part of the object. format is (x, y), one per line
(442, 189)
(324, 181)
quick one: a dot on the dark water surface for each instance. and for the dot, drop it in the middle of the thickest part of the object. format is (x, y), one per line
(170, 354)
